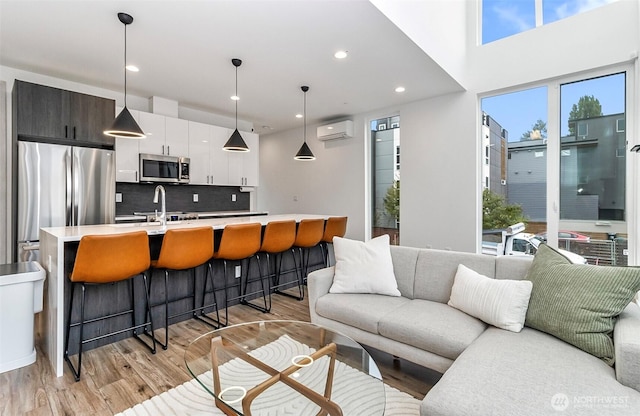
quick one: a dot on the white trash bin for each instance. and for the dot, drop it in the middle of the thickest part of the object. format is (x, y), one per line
(21, 292)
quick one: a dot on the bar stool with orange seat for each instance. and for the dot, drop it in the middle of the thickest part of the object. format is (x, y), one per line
(278, 238)
(185, 249)
(101, 260)
(334, 227)
(308, 235)
(239, 242)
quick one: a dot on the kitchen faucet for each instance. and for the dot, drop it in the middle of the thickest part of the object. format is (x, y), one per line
(163, 215)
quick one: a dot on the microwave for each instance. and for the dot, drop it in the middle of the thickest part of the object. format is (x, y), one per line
(160, 168)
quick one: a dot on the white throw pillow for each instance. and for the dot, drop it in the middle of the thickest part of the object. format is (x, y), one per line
(501, 303)
(364, 267)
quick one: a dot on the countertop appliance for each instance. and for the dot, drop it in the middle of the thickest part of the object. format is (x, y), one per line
(61, 186)
(162, 168)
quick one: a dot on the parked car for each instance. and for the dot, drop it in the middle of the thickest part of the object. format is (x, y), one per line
(565, 235)
(513, 241)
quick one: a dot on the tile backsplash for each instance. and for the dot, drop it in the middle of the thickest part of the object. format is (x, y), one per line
(138, 197)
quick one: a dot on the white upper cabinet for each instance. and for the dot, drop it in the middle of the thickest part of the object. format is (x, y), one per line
(199, 152)
(202, 143)
(176, 137)
(127, 162)
(219, 158)
(153, 126)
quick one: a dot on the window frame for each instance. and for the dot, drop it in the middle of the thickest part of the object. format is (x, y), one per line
(631, 226)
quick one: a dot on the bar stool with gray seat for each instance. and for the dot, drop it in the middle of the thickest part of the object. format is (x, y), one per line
(334, 227)
(186, 249)
(277, 239)
(102, 260)
(240, 242)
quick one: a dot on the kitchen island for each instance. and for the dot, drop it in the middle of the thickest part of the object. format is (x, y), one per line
(57, 253)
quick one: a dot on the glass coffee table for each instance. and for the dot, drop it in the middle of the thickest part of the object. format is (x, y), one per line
(286, 367)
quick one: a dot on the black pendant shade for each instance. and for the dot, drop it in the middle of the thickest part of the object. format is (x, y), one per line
(236, 143)
(124, 125)
(305, 152)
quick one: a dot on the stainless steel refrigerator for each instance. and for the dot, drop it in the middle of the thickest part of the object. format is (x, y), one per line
(61, 186)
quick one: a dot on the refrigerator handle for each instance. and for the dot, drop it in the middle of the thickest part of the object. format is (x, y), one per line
(68, 187)
(75, 189)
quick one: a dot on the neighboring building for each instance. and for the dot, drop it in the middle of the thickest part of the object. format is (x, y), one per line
(494, 158)
(385, 134)
(592, 172)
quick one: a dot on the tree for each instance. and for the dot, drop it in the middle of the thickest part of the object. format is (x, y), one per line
(588, 106)
(497, 213)
(392, 201)
(538, 131)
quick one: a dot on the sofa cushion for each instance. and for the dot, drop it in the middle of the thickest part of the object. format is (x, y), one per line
(404, 267)
(501, 303)
(512, 267)
(528, 373)
(436, 269)
(579, 303)
(431, 326)
(362, 311)
(626, 339)
(364, 267)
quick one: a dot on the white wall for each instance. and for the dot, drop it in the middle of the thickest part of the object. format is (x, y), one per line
(604, 36)
(428, 24)
(439, 161)
(332, 184)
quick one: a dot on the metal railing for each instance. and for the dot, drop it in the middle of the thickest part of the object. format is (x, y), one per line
(599, 252)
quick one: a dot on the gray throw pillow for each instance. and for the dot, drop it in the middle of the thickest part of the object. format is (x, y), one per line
(579, 303)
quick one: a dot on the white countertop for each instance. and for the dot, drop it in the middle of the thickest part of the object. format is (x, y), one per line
(66, 234)
(206, 214)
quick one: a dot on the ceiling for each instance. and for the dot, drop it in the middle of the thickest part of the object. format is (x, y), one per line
(184, 51)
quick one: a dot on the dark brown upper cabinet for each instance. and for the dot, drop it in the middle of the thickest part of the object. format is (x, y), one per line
(42, 112)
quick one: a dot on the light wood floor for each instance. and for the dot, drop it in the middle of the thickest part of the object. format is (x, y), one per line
(120, 375)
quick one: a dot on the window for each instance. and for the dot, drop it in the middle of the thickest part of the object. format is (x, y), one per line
(583, 129)
(503, 18)
(385, 192)
(595, 167)
(581, 165)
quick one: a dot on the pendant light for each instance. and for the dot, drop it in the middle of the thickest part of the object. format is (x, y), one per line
(305, 152)
(235, 142)
(124, 125)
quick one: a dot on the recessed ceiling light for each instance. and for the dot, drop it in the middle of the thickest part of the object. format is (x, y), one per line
(235, 97)
(132, 68)
(399, 89)
(340, 54)
(298, 115)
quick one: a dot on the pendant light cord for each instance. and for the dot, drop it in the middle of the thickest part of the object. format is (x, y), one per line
(125, 65)
(305, 117)
(237, 98)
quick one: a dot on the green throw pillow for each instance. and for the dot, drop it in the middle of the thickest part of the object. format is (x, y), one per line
(579, 303)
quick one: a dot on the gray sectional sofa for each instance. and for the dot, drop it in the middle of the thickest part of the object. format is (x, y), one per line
(486, 370)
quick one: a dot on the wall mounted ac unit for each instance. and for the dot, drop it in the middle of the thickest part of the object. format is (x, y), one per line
(335, 131)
